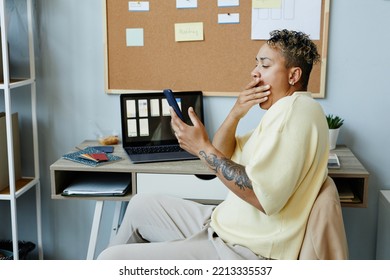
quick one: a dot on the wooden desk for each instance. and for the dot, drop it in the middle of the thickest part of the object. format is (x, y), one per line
(63, 171)
(352, 174)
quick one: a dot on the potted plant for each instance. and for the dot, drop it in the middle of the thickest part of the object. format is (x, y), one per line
(334, 124)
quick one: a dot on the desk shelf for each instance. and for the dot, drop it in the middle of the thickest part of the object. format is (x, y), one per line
(351, 175)
(62, 179)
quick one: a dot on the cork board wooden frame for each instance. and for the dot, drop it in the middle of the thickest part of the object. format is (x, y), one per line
(220, 65)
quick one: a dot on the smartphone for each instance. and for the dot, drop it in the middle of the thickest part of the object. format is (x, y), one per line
(173, 103)
(104, 149)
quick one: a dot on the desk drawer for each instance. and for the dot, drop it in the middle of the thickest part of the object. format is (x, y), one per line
(184, 186)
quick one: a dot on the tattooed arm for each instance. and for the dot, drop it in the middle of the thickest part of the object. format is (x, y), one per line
(233, 175)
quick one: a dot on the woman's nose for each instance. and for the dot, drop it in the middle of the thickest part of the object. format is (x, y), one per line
(255, 73)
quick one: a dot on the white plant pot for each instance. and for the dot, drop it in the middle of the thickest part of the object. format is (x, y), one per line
(333, 134)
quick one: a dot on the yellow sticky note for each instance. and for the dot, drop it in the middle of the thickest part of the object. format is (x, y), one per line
(192, 31)
(267, 4)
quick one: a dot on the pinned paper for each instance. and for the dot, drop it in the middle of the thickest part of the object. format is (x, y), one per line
(266, 4)
(229, 18)
(302, 15)
(189, 31)
(135, 37)
(228, 3)
(138, 6)
(186, 4)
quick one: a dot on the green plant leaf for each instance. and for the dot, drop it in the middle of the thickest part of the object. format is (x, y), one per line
(334, 122)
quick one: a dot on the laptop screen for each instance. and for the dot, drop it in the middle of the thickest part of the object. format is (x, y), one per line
(146, 120)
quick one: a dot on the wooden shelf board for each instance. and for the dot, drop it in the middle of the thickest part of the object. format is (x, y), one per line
(19, 184)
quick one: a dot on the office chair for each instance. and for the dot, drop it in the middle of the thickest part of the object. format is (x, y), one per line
(325, 237)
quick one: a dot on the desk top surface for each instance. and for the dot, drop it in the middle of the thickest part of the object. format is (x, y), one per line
(350, 165)
(125, 165)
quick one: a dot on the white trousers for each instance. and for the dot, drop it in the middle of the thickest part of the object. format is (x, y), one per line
(164, 227)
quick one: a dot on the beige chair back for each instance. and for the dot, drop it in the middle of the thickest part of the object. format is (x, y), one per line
(325, 237)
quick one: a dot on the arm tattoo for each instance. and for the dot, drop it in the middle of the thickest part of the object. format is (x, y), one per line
(229, 169)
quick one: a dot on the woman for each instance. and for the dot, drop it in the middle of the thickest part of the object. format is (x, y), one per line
(274, 172)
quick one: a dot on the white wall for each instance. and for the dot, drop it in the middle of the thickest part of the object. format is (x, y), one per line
(71, 97)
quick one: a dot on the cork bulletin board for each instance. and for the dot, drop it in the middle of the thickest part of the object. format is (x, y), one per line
(219, 65)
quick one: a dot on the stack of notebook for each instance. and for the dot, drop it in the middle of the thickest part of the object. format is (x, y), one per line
(91, 156)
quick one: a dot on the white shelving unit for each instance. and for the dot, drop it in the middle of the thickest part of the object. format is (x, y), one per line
(19, 187)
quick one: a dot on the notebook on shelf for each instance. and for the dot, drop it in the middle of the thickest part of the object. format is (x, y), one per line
(333, 161)
(99, 184)
(147, 135)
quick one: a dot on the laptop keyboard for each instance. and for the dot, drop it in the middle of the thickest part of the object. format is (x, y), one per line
(154, 149)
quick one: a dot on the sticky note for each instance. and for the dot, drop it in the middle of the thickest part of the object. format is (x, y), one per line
(228, 3)
(186, 4)
(135, 37)
(229, 18)
(138, 6)
(192, 31)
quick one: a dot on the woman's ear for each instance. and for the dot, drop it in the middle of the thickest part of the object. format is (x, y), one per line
(295, 75)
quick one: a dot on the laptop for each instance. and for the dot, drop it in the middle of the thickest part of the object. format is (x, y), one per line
(147, 135)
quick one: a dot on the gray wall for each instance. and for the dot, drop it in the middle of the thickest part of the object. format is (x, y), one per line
(70, 81)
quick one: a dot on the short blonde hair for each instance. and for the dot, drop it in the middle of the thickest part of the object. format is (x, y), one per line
(297, 49)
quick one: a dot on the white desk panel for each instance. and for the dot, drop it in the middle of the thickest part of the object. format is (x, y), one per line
(184, 186)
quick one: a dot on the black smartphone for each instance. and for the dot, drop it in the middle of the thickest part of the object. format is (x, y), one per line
(173, 103)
